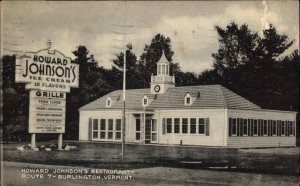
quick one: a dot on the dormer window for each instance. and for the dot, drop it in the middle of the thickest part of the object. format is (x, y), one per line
(108, 102)
(188, 100)
(191, 97)
(145, 101)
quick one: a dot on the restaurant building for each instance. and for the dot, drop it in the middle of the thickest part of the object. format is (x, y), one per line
(205, 115)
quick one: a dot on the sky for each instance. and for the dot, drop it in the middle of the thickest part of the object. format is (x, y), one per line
(28, 25)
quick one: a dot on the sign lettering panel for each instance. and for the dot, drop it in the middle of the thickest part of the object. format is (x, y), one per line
(50, 71)
(47, 112)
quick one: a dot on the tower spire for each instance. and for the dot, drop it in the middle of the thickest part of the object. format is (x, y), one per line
(162, 81)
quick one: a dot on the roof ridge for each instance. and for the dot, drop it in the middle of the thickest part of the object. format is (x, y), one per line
(241, 97)
(220, 87)
(192, 86)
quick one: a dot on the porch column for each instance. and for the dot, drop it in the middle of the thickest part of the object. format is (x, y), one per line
(142, 133)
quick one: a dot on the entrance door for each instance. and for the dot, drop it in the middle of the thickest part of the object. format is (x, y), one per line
(148, 131)
(151, 131)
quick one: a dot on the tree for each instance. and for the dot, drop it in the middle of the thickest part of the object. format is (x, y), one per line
(92, 85)
(266, 71)
(208, 77)
(247, 63)
(132, 73)
(274, 44)
(151, 55)
(15, 103)
(288, 69)
(237, 46)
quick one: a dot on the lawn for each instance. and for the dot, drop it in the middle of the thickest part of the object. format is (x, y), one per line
(108, 155)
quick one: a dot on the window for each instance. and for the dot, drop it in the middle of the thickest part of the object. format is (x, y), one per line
(110, 135)
(95, 124)
(90, 135)
(118, 129)
(245, 127)
(108, 102)
(110, 129)
(145, 101)
(207, 126)
(154, 130)
(102, 129)
(154, 125)
(159, 69)
(118, 125)
(163, 126)
(265, 128)
(255, 128)
(176, 125)
(283, 128)
(110, 124)
(193, 125)
(137, 129)
(234, 127)
(103, 125)
(274, 128)
(163, 69)
(167, 69)
(188, 100)
(95, 129)
(201, 127)
(118, 135)
(291, 128)
(169, 125)
(184, 128)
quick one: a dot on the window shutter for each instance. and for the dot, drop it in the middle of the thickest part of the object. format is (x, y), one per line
(238, 126)
(286, 123)
(230, 125)
(293, 124)
(269, 127)
(90, 129)
(163, 125)
(241, 126)
(259, 127)
(249, 127)
(207, 127)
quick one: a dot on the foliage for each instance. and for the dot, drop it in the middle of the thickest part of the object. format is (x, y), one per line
(92, 83)
(151, 55)
(251, 65)
(15, 103)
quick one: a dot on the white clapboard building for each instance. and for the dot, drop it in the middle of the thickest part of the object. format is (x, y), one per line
(205, 115)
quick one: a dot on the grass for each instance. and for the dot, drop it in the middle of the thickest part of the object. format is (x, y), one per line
(107, 155)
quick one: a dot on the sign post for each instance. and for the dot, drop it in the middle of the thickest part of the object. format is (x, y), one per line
(60, 136)
(32, 141)
(49, 75)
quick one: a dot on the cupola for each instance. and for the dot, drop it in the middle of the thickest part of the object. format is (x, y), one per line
(162, 81)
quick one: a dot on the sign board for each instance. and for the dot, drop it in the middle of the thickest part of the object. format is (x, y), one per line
(47, 112)
(48, 71)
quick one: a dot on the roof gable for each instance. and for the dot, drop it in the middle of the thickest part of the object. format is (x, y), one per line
(163, 59)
